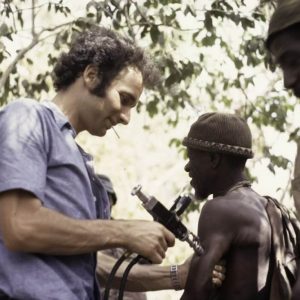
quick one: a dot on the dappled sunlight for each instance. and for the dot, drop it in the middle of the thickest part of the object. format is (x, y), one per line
(212, 57)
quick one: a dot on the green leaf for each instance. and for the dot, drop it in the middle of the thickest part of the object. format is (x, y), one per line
(190, 10)
(25, 84)
(247, 23)
(208, 21)
(4, 30)
(208, 40)
(1, 57)
(173, 78)
(238, 63)
(154, 33)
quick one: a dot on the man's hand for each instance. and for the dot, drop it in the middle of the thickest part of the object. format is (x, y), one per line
(149, 239)
(28, 226)
(218, 274)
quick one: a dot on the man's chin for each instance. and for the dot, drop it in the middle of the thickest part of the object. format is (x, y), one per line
(200, 197)
(98, 134)
(101, 133)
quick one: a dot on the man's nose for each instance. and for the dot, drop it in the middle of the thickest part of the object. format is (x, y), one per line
(289, 78)
(125, 116)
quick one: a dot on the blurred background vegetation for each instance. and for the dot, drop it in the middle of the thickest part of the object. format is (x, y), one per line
(212, 57)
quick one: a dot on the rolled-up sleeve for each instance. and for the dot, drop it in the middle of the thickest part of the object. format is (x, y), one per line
(23, 156)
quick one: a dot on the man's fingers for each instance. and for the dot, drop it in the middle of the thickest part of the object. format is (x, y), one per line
(218, 275)
(220, 268)
(151, 240)
(170, 237)
(161, 252)
(166, 241)
(216, 282)
(157, 255)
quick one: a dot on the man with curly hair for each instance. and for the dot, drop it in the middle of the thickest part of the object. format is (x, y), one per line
(53, 209)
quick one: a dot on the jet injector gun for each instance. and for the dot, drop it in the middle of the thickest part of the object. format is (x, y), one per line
(170, 217)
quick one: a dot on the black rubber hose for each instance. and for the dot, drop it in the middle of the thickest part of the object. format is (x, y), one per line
(125, 275)
(113, 274)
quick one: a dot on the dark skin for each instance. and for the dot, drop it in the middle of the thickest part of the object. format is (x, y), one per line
(285, 48)
(296, 288)
(233, 227)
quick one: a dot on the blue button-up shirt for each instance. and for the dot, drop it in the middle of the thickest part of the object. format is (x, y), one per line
(38, 154)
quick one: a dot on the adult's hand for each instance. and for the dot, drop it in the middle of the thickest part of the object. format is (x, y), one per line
(218, 274)
(27, 226)
(147, 238)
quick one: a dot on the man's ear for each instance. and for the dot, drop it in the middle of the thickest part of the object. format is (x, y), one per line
(215, 159)
(91, 78)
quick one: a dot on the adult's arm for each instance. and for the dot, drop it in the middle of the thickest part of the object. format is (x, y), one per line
(27, 226)
(216, 236)
(142, 277)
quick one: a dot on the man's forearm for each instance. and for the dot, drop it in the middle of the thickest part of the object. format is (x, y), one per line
(141, 277)
(50, 232)
(27, 226)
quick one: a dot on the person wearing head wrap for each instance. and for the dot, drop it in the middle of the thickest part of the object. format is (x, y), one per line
(216, 133)
(283, 41)
(233, 225)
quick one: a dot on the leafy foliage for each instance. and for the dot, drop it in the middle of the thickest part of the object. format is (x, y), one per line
(202, 67)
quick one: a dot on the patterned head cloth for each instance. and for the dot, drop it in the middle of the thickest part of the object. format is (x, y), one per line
(286, 14)
(222, 133)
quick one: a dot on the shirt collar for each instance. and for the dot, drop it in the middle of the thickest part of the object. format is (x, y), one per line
(59, 117)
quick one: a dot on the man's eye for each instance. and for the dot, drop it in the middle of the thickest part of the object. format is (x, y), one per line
(126, 100)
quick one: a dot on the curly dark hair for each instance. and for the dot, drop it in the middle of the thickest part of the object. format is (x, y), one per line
(110, 52)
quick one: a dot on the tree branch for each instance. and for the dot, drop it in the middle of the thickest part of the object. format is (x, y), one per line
(140, 11)
(19, 56)
(33, 19)
(288, 184)
(35, 40)
(56, 27)
(30, 8)
(130, 28)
